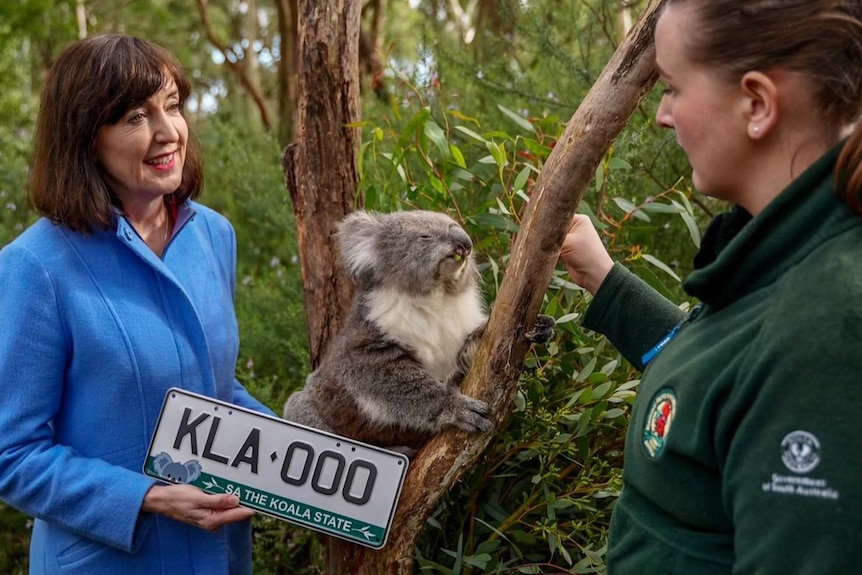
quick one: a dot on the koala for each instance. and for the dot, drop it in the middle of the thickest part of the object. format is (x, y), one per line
(392, 375)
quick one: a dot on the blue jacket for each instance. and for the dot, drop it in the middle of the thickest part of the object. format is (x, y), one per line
(93, 330)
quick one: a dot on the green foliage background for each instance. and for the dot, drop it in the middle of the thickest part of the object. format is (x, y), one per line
(464, 128)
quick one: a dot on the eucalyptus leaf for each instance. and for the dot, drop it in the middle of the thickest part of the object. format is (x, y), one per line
(599, 179)
(457, 155)
(568, 317)
(662, 208)
(618, 164)
(584, 208)
(497, 221)
(693, 230)
(438, 137)
(521, 178)
(624, 204)
(479, 561)
(517, 119)
(470, 133)
(587, 370)
(601, 390)
(661, 265)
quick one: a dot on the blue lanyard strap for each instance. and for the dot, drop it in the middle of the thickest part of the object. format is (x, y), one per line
(656, 349)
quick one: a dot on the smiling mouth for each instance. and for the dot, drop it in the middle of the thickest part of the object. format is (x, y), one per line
(163, 162)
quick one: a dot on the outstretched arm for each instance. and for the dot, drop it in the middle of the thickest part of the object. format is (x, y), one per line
(632, 315)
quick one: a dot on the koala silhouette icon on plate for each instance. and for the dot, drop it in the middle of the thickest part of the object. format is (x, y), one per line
(176, 472)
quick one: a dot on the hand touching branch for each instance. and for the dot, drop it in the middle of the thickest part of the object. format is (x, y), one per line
(584, 254)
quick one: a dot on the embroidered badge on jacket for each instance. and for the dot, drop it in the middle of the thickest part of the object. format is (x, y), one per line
(660, 415)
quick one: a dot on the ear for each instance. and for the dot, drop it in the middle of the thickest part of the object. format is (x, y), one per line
(357, 235)
(761, 109)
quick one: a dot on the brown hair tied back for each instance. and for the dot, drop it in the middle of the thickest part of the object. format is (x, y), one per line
(93, 83)
(821, 39)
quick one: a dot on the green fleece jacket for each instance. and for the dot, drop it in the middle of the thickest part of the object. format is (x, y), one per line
(744, 451)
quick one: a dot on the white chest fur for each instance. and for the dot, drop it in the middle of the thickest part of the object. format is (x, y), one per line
(435, 326)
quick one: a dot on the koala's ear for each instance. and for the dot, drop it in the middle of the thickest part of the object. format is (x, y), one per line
(357, 236)
(161, 461)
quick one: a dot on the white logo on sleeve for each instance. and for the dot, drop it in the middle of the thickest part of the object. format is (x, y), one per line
(800, 451)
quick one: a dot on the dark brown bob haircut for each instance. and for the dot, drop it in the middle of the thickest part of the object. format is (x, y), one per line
(93, 83)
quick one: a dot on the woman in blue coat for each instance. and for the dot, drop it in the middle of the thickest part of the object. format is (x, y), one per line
(122, 290)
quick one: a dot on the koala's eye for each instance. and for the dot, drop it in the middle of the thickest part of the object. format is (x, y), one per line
(425, 237)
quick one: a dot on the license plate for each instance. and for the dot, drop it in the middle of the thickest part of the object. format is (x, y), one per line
(312, 478)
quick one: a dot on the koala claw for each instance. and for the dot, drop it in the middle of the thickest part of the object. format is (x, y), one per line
(471, 415)
(543, 329)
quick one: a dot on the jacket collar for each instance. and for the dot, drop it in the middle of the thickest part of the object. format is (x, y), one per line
(127, 235)
(741, 254)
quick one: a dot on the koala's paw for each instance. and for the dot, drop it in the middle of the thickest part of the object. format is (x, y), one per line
(471, 414)
(543, 329)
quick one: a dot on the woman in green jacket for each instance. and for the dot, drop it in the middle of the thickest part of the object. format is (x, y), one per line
(743, 453)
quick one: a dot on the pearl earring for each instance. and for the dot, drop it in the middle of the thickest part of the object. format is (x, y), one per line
(756, 129)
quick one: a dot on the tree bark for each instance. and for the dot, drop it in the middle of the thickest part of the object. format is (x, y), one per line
(568, 172)
(320, 165)
(288, 69)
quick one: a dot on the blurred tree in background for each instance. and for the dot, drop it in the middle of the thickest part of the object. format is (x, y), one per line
(462, 102)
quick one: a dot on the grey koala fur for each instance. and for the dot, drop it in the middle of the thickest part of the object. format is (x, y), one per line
(392, 375)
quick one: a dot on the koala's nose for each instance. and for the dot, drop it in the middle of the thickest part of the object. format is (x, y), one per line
(463, 250)
(461, 242)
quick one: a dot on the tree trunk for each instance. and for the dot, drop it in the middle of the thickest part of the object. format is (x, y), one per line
(288, 69)
(320, 165)
(568, 172)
